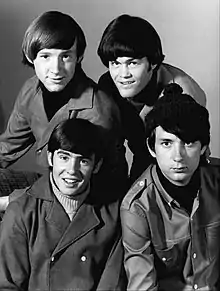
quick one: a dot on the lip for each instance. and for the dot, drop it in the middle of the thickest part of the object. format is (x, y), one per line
(126, 84)
(179, 169)
(71, 181)
(56, 80)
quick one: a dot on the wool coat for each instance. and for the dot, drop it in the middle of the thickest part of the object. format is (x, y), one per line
(42, 250)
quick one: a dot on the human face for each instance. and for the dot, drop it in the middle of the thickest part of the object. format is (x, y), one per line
(71, 172)
(177, 160)
(55, 67)
(130, 75)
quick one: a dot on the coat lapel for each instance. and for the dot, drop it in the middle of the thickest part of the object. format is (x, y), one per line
(57, 217)
(83, 222)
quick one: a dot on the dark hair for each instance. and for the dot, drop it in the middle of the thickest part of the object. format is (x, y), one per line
(52, 29)
(179, 114)
(130, 36)
(77, 136)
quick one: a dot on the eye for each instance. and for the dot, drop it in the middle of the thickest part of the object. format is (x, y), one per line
(189, 144)
(44, 56)
(133, 63)
(63, 157)
(85, 162)
(114, 64)
(166, 144)
(66, 57)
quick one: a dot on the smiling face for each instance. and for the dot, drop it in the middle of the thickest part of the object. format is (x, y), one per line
(55, 67)
(130, 75)
(176, 159)
(71, 172)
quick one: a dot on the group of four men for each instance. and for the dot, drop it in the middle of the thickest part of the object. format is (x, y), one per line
(76, 228)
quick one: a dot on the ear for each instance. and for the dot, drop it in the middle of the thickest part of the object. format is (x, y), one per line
(50, 159)
(203, 149)
(80, 59)
(97, 166)
(153, 67)
(29, 60)
(150, 150)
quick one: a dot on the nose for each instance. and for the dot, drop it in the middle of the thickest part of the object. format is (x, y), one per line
(124, 71)
(178, 152)
(55, 65)
(73, 166)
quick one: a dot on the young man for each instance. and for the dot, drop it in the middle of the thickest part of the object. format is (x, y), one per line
(171, 215)
(63, 234)
(131, 49)
(54, 46)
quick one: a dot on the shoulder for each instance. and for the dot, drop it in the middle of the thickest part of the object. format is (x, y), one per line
(16, 212)
(100, 95)
(105, 79)
(140, 190)
(29, 89)
(103, 101)
(106, 84)
(210, 176)
(169, 73)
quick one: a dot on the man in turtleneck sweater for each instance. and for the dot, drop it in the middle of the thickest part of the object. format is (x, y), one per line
(171, 215)
(62, 233)
(131, 49)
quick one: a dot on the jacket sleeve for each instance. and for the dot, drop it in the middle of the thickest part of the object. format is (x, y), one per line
(105, 114)
(113, 276)
(138, 258)
(14, 262)
(18, 137)
(190, 87)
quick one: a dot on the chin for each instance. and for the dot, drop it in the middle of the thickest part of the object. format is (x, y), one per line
(55, 88)
(126, 94)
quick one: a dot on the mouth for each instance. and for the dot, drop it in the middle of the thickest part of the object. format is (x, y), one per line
(56, 80)
(126, 83)
(71, 182)
(179, 169)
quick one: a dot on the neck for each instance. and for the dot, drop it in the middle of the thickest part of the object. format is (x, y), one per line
(184, 195)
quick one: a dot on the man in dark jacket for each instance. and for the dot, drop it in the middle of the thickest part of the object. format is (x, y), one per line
(54, 46)
(171, 215)
(131, 49)
(62, 233)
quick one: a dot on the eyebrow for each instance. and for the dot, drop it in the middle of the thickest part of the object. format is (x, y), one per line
(63, 152)
(60, 151)
(125, 62)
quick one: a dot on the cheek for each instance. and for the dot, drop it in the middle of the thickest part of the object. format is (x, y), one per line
(112, 72)
(87, 173)
(163, 159)
(70, 68)
(40, 71)
(194, 160)
(144, 77)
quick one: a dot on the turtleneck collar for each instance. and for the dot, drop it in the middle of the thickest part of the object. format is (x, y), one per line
(184, 195)
(147, 96)
(53, 101)
(69, 203)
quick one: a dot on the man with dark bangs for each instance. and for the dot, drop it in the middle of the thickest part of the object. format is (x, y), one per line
(54, 46)
(171, 215)
(131, 49)
(62, 233)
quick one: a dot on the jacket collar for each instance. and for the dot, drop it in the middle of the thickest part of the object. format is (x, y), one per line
(62, 230)
(41, 188)
(81, 90)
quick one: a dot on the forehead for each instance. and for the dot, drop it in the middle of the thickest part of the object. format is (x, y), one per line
(124, 60)
(160, 133)
(56, 51)
(71, 154)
